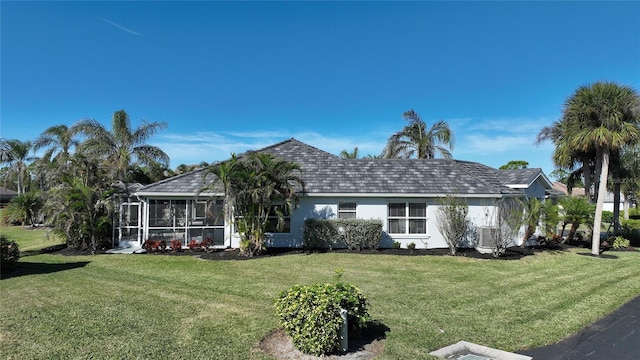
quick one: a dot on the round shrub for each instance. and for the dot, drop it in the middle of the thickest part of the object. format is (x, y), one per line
(10, 253)
(310, 315)
(620, 243)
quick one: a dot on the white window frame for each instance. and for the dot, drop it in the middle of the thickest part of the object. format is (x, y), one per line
(349, 210)
(406, 218)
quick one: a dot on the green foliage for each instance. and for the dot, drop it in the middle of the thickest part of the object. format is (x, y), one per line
(620, 242)
(310, 314)
(631, 224)
(411, 246)
(257, 187)
(416, 140)
(576, 211)
(515, 165)
(10, 253)
(355, 234)
(607, 216)
(550, 217)
(320, 233)
(631, 230)
(25, 208)
(397, 245)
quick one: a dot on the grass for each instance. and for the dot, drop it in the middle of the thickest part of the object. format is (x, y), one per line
(160, 307)
(30, 240)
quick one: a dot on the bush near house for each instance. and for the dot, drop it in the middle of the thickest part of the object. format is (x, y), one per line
(354, 234)
(310, 315)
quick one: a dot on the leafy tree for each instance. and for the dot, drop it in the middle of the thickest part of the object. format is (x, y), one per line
(507, 219)
(122, 146)
(515, 165)
(416, 140)
(604, 117)
(349, 155)
(452, 215)
(15, 153)
(253, 186)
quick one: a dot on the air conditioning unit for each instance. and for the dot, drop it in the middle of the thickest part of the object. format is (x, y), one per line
(488, 236)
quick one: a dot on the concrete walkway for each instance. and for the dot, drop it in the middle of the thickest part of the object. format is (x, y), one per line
(617, 336)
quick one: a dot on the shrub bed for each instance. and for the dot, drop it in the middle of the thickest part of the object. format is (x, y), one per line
(354, 234)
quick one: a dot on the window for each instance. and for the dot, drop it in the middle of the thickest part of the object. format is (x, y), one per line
(347, 210)
(273, 219)
(414, 223)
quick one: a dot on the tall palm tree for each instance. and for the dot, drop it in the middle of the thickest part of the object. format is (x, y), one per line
(60, 141)
(565, 157)
(122, 146)
(416, 140)
(15, 153)
(603, 116)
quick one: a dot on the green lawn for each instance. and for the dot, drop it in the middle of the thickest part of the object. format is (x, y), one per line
(163, 307)
(30, 240)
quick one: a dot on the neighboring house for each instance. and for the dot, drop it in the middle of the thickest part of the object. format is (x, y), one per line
(6, 195)
(403, 193)
(608, 201)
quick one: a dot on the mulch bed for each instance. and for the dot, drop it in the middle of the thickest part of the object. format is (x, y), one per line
(513, 253)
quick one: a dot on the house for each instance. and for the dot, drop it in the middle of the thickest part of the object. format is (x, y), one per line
(403, 193)
(6, 195)
(608, 203)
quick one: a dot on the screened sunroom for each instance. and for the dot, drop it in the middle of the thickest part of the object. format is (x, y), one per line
(164, 219)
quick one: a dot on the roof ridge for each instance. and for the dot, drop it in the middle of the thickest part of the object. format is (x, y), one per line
(174, 177)
(471, 173)
(294, 140)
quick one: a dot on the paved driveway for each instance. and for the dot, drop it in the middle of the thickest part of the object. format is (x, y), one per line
(616, 337)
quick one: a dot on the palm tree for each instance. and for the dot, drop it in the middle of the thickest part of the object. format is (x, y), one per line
(416, 140)
(603, 116)
(25, 207)
(567, 158)
(122, 146)
(576, 210)
(349, 155)
(59, 140)
(253, 185)
(15, 153)
(533, 208)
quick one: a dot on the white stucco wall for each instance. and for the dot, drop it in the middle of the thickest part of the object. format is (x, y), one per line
(480, 211)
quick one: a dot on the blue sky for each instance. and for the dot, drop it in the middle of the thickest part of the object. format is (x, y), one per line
(232, 76)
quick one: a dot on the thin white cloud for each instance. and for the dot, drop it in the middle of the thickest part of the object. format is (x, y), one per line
(511, 125)
(213, 146)
(120, 27)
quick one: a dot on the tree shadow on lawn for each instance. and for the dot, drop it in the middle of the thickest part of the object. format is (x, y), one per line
(35, 268)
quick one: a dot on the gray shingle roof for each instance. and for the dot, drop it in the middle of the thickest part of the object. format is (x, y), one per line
(325, 173)
(519, 177)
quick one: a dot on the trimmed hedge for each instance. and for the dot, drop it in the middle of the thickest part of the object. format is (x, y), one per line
(354, 234)
(310, 315)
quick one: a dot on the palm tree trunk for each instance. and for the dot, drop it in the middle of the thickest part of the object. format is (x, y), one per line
(616, 206)
(586, 174)
(602, 191)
